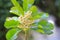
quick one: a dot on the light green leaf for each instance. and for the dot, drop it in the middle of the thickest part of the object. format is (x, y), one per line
(31, 1)
(11, 22)
(27, 4)
(40, 15)
(34, 9)
(14, 10)
(40, 26)
(18, 7)
(36, 14)
(40, 31)
(12, 34)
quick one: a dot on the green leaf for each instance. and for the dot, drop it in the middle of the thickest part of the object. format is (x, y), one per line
(11, 22)
(40, 26)
(40, 15)
(34, 9)
(36, 14)
(46, 25)
(14, 10)
(44, 15)
(40, 31)
(31, 1)
(43, 27)
(12, 34)
(48, 32)
(17, 5)
(44, 31)
(27, 4)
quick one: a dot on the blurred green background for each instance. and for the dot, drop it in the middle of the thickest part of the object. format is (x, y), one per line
(50, 6)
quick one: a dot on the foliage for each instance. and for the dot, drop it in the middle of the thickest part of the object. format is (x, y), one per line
(52, 7)
(5, 6)
(27, 16)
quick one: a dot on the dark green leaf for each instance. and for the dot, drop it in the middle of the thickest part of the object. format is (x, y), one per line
(48, 32)
(43, 27)
(46, 25)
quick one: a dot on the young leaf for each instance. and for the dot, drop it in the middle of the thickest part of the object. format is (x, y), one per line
(40, 31)
(17, 5)
(14, 10)
(11, 22)
(12, 34)
(34, 14)
(31, 1)
(27, 4)
(34, 10)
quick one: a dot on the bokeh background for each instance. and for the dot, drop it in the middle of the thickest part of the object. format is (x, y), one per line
(50, 6)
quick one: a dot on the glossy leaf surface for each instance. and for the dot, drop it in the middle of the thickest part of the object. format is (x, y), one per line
(43, 27)
(27, 4)
(17, 5)
(12, 34)
(11, 22)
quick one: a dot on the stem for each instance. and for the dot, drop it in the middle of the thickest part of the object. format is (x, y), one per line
(26, 34)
